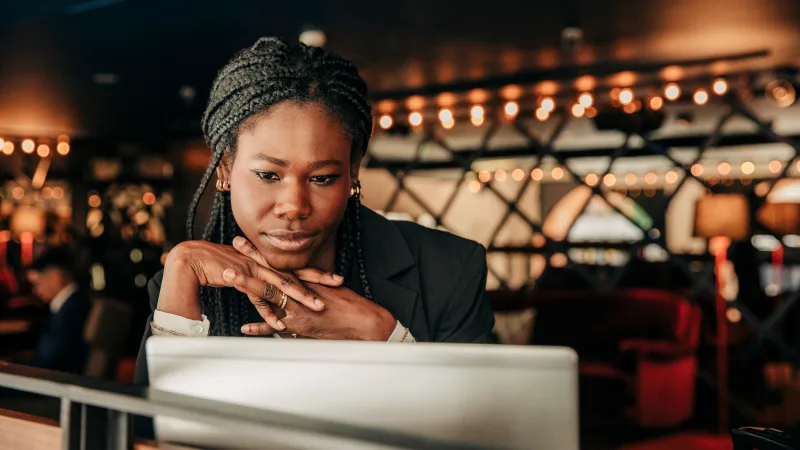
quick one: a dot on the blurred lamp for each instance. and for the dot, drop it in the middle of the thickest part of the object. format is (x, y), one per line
(722, 215)
(780, 218)
(28, 219)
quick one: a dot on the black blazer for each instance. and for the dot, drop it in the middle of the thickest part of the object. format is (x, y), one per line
(61, 345)
(433, 282)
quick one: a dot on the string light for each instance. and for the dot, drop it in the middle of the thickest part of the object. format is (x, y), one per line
(415, 119)
(95, 201)
(748, 167)
(656, 103)
(697, 170)
(484, 176)
(700, 97)
(672, 91)
(477, 115)
(18, 193)
(446, 117)
(724, 168)
(578, 110)
(28, 146)
(591, 179)
(609, 180)
(650, 178)
(537, 174)
(512, 109)
(547, 104)
(626, 96)
(63, 147)
(43, 151)
(149, 198)
(500, 175)
(8, 148)
(518, 174)
(720, 86)
(474, 186)
(775, 166)
(671, 177)
(542, 114)
(385, 122)
(631, 179)
(58, 192)
(557, 173)
(586, 100)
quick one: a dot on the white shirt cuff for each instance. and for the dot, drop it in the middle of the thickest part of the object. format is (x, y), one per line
(401, 334)
(181, 325)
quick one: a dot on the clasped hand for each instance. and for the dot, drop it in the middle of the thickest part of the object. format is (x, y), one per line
(317, 305)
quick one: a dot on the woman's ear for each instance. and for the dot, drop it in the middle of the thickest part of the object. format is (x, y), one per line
(224, 167)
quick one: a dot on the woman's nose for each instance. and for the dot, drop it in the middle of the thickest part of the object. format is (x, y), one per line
(293, 202)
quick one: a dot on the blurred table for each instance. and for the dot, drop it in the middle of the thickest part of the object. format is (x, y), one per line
(15, 326)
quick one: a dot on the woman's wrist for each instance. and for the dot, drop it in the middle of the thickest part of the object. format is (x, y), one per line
(381, 328)
(180, 285)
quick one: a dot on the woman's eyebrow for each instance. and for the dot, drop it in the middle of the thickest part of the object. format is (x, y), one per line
(313, 166)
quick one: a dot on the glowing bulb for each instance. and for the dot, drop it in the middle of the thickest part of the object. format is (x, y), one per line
(518, 174)
(43, 151)
(724, 168)
(8, 148)
(58, 192)
(775, 166)
(656, 103)
(18, 193)
(650, 178)
(386, 121)
(748, 167)
(474, 186)
(625, 96)
(631, 179)
(586, 100)
(537, 174)
(671, 177)
(94, 201)
(445, 115)
(591, 179)
(672, 91)
(542, 115)
(720, 86)
(700, 97)
(484, 176)
(609, 180)
(62, 148)
(557, 173)
(578, 110)
(547, 104)
(28, 146)
(500, 175)
(697, 170)
(415, 119)
(511, 109)
(149, 198)
(477, 115)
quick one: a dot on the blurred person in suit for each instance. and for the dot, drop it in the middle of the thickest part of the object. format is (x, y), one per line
(54, 280)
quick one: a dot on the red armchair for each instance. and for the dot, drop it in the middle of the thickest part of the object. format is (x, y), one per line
(642, 340)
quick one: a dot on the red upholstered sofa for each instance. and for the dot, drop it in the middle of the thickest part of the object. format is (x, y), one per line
(642, 340)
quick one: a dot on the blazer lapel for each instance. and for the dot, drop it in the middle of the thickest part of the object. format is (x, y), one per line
(392, 272)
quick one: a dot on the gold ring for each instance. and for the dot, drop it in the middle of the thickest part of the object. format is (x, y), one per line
(284, 299)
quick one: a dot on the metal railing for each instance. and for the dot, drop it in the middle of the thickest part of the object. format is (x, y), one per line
(98, 414)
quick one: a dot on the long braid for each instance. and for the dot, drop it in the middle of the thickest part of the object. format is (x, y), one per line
(255, 80)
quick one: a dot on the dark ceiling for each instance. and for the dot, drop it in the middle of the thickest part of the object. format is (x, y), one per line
(52, 50)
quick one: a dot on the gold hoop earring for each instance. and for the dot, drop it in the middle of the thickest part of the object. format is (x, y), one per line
(219, 185)
(223, 185)
(355, 191)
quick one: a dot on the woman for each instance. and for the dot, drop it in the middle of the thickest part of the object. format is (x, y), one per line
(289, 250)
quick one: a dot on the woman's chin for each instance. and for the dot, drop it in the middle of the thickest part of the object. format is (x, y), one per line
(289, 262)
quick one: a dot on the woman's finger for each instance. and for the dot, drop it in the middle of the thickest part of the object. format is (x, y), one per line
(247, 248)
(291, 286)
(312, 275)
(264, 310)
(257, 329)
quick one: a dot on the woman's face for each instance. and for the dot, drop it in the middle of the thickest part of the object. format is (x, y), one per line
(290, 181)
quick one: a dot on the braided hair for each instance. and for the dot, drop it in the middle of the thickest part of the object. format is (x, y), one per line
(255, 80)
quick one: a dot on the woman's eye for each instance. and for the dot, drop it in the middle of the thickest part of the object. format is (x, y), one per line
(267, 176)
(324, 180)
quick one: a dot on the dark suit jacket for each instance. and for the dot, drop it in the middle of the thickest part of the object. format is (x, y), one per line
(61, 345)
(433, 282)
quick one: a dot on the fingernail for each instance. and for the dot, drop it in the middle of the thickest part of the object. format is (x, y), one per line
(245, 329)
(237, 241)
(337, 277)
(280, 325)
(229, 274)
(319, 303)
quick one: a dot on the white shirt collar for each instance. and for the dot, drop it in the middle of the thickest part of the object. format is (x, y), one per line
(61, 297)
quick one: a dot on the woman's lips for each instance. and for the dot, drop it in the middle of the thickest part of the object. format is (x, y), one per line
(290, 241)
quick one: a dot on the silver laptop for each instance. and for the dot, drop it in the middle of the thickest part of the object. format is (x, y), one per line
(488, 395)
